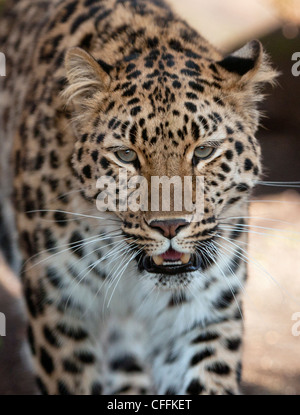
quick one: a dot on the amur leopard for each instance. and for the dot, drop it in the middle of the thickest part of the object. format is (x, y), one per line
(124, 301)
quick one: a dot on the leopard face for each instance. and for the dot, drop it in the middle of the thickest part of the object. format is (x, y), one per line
(169, 112)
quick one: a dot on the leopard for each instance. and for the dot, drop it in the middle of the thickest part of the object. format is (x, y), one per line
(127, 301)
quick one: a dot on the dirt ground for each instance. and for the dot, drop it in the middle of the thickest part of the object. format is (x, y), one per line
(271, 357)
(271, 352)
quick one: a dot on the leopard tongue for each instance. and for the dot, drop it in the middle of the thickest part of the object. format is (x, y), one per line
(171, 256)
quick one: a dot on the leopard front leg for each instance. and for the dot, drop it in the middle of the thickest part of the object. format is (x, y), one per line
(64, 335)
(203, 361)
(126, 366)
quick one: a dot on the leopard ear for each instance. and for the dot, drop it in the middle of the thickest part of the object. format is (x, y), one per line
(248, 65)
(86, 77)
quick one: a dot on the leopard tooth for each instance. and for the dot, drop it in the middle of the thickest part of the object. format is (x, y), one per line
(158, 259)
(185, 258)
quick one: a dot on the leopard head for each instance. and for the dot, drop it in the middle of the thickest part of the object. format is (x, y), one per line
(169, 112)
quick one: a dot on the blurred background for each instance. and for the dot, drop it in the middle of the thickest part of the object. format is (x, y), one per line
(271, 352)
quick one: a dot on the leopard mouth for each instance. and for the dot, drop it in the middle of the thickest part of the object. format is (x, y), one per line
(171, 263)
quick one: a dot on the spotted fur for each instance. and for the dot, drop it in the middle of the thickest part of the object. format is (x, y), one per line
(86, 76)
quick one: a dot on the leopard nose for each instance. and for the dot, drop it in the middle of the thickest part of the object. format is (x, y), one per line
(169, 228)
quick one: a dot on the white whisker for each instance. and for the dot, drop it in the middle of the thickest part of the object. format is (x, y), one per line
(134, 255)
(77, 247)
(248, 259)
(244, 225)
(68, 213)
(227, 282)
(91, 267)
(257, 218)
(249, 231)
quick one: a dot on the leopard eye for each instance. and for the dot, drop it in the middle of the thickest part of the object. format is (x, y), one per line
(203, 152)
(127, 156)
